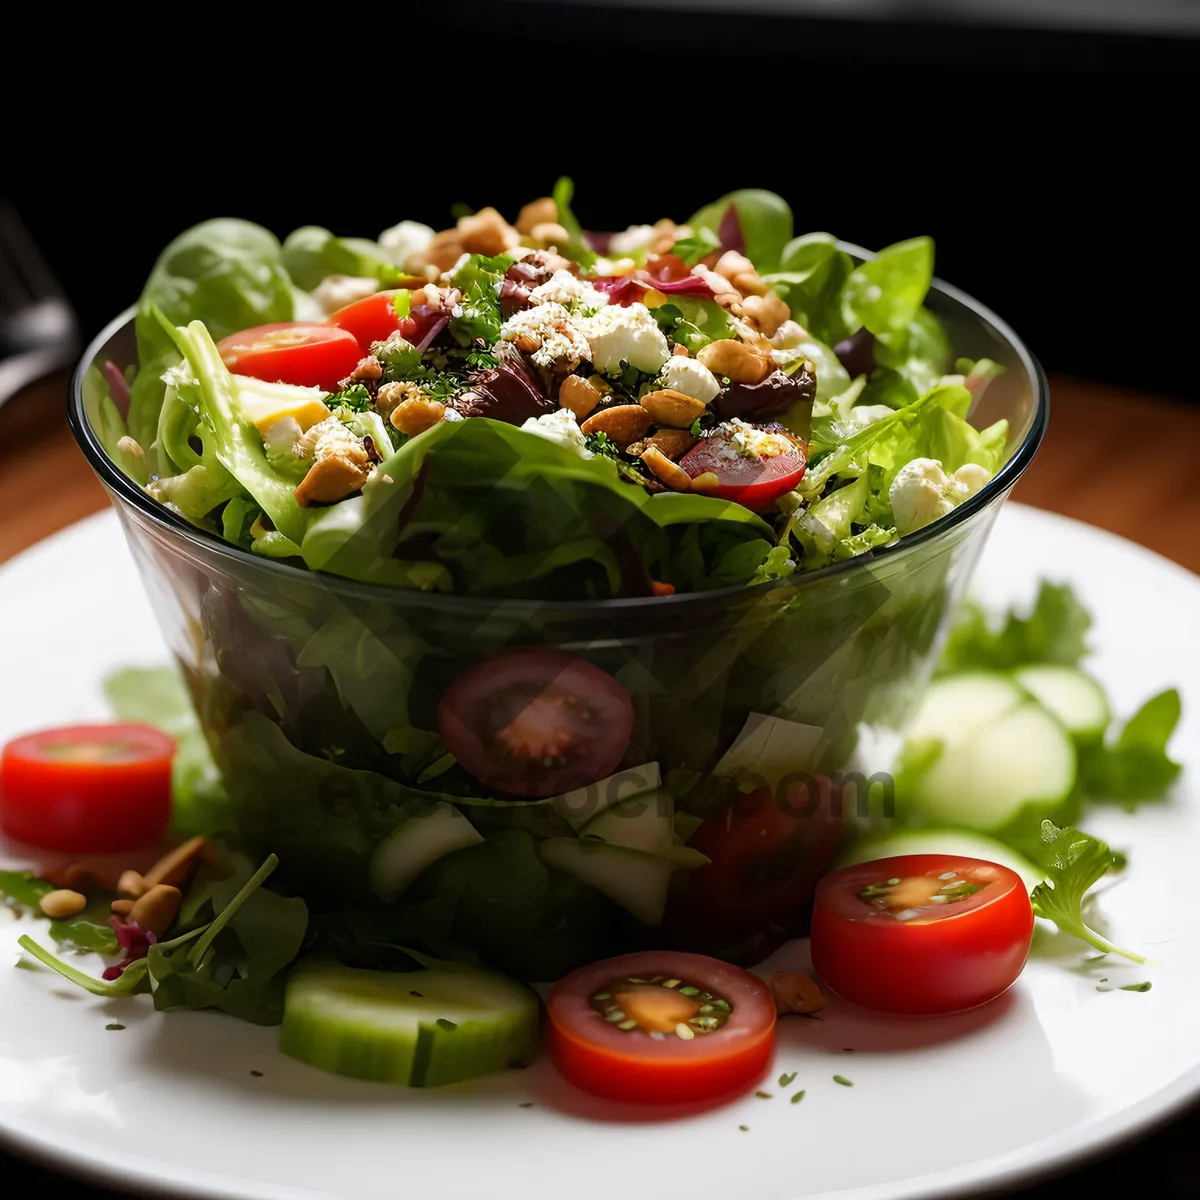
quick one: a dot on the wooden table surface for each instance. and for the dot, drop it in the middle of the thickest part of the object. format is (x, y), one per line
(1114, 458)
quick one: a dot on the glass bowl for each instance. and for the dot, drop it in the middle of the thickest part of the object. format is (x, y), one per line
(771, 713)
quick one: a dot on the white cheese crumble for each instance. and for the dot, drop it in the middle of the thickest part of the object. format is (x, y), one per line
(560, 427)
(336, 291)
(563, 288)
(632, 240)
(690, 377)
(751, 442)
(401, 242)
(551, 325)
(628, 335)
(922, 491)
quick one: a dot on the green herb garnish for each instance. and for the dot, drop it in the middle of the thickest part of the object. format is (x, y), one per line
(786, 1078)
(800, 1095)
(842, 1080)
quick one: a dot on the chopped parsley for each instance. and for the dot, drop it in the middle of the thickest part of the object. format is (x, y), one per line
(355, 398)
(843, 1081)
(786, 1078)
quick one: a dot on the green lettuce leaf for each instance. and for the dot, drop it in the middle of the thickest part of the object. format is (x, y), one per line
(1054, 631)
(885, 293)
(765, 220)
(811, 275)
(311, 253)
(1136, 766)
(228, 273)
(576, 248)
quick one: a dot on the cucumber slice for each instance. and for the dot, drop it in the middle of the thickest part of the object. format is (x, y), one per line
(643, 823)
(413, 846)
(420, 1028)
(637, 881)
(587, 803)
(1022, 760)
(959, 705)
(943, 841)
(1076, 699)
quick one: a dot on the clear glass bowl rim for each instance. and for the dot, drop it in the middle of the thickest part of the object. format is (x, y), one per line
(124, 489)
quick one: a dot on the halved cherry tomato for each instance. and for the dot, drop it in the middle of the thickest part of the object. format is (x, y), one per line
(87, 789)
(921, 933)
(765, 858)
(661, 1027)
(754, 476)
(292, 352)
(374, 319)
(536, 722)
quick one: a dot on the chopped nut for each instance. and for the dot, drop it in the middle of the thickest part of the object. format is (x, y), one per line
(391, 394)
(122, 908)
(580, 396)
(440, 255)
(173, 867)
(62, 904)
(673, 409)
(340, 467)
(795, 993)
(623, 423)
(766, 312)
(415, 415)
(674, 443)
(667, 233)
(79, 877)
(536, 212)
(679, 351)
(673, 475)
(131, 447)
(526, 343)
(132, 884)
(485, 232)
(369, 370)
(736, 361)
(550, 233)
(155, 911)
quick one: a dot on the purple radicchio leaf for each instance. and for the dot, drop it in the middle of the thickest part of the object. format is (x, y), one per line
(134, 940)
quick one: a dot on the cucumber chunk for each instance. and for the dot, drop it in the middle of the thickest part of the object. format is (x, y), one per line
(645, 823)
(959, 705)
(985, 780)
(943, 841)
(419, 1028)
(413, 846)
(637, 881)
(587, 803)
(1076, 699)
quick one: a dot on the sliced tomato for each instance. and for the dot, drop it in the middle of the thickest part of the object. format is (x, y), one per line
(292, 352)
(921, 933)
(375, 318)
(661, 1027)
(766, 855)
(750, 466)
(536, 722)
(87, 789)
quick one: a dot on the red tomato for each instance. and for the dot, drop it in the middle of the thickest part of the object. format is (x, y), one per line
(536, 722)
(755, 480)
(765, 860)
(882, 937)
(87, 789)
(374, 318)
(651, 1062)
(292, 352)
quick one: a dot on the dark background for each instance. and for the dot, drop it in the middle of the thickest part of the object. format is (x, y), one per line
(1051, 165)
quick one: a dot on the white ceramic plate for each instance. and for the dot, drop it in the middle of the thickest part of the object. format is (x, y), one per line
(1051, 1072)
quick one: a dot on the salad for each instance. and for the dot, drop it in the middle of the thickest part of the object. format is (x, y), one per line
(933, 914)
(530, 410)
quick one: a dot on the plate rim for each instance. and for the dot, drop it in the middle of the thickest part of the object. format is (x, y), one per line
(1047, 1157)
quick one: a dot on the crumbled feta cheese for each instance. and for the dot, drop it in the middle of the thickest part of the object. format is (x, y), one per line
(628, 335)
(563, 288)
(690, 377)
(403, 241)
(551, 325)
(789, 336)
(751, 442)
(922, 492)
(560, 427)
(180, 375)
(971, 477)
(336, 291)
(282, 434)
(633, 240)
